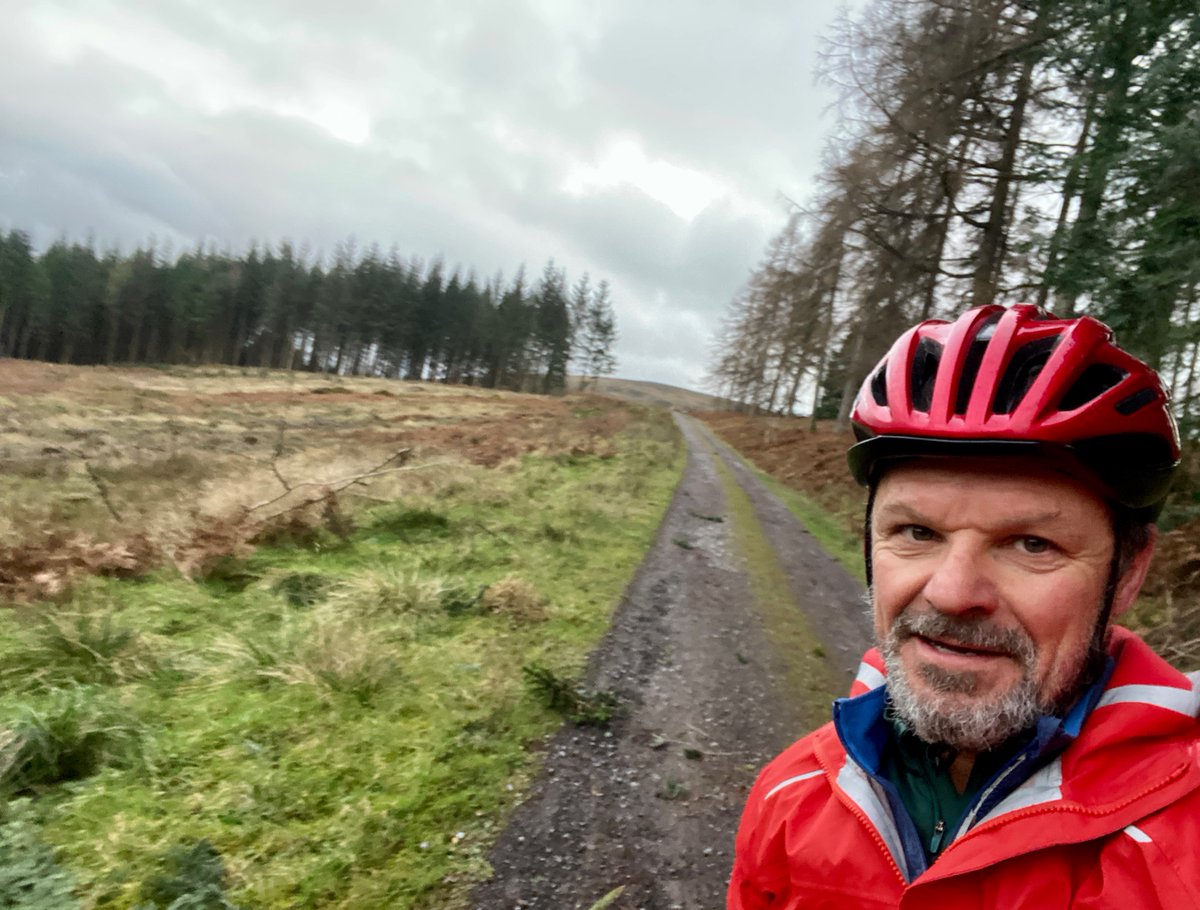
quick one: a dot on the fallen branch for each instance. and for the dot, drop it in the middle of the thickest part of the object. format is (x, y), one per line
(336, 486)
(102, 488)
(282, 481)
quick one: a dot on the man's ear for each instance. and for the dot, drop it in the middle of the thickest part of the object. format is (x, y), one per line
(1131, 581)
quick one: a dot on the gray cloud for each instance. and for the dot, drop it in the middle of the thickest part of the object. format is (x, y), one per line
(453, 129)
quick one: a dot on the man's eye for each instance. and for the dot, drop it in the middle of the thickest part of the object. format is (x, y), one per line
(918, 532)
(1034, 545)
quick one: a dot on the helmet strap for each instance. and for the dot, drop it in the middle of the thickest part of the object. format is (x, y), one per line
(867, 534)
(1098, 652)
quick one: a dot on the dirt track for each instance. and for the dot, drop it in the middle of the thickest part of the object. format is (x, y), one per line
(650, 804)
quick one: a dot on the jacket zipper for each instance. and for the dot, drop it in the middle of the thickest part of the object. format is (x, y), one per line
(983, 797)
(935, 842)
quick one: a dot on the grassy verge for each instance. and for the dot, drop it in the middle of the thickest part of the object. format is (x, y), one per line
(810, 684)
(336, 721)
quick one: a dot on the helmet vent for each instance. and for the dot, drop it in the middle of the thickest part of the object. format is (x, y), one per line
(1136, 401)
(879, 385)
(924, 373)
(1093, 382)
(974, 358)
(1026, 363)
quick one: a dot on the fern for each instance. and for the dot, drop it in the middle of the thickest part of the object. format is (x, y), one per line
(194, 880)
(30, 878)
(558, 693)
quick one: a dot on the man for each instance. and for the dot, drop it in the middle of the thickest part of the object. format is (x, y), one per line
(1004, 746)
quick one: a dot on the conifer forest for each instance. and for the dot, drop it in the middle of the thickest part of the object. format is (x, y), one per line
(366, 313)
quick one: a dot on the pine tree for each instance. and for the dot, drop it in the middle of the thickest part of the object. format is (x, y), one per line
(600, 332)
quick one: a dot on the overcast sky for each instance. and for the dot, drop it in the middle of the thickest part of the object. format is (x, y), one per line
(649, 143)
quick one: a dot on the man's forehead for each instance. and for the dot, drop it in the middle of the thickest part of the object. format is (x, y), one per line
(975, 477)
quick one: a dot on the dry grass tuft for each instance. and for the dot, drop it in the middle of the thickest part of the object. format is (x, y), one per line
(515, 598)
(387, 592)
(340, 656)
(332, 653)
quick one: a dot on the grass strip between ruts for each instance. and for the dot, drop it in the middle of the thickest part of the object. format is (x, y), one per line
(809, 681)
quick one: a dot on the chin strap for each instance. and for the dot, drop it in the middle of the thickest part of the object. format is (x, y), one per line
(867, 535)
(1099, 646)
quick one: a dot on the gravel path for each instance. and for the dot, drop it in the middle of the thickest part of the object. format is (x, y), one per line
(650, 804)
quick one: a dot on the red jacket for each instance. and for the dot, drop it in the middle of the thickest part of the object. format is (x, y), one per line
(1112, 820)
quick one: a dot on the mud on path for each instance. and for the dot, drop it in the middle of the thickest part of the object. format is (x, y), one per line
(650, 804)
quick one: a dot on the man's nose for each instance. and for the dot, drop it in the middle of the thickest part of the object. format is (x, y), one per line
(960, 580)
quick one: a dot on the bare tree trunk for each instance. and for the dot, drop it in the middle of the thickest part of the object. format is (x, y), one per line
(931, 286)
(1190, 385)
(1095, 182)
(853, 380)
(1070, 190)
(995, 232)
(793, 390)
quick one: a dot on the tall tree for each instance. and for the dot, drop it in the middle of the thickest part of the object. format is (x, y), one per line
(552, 329)
(596, 330)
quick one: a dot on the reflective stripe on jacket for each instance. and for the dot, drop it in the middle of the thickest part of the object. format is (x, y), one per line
(1112, 821)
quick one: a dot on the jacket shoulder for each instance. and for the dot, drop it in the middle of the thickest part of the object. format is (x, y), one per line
(1168, 843)
(799, 760)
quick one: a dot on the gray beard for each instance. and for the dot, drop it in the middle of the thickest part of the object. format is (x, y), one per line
(953, 714)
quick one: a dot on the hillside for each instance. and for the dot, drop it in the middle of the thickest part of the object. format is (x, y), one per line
(651, 393)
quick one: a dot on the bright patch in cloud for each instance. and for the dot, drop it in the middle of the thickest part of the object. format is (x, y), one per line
(194, 75)
(338, 116)
(624, 162)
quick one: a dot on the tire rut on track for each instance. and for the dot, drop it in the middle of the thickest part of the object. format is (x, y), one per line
(651, 802)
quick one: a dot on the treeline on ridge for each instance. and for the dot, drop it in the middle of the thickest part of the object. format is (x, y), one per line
(366, 314)
(988, 151)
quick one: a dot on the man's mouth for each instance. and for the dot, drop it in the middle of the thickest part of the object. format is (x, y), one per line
(948, 646)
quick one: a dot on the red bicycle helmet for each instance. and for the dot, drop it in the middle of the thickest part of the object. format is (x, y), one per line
(1017, 380)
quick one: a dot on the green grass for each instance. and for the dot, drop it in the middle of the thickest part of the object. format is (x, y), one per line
(343, 726)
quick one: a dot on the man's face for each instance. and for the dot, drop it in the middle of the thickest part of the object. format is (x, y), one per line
(989, 579)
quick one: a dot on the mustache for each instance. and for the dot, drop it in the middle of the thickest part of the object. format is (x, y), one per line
(966, 631)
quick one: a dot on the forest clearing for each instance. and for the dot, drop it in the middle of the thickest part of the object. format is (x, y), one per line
(269, 634)
(287, 640)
